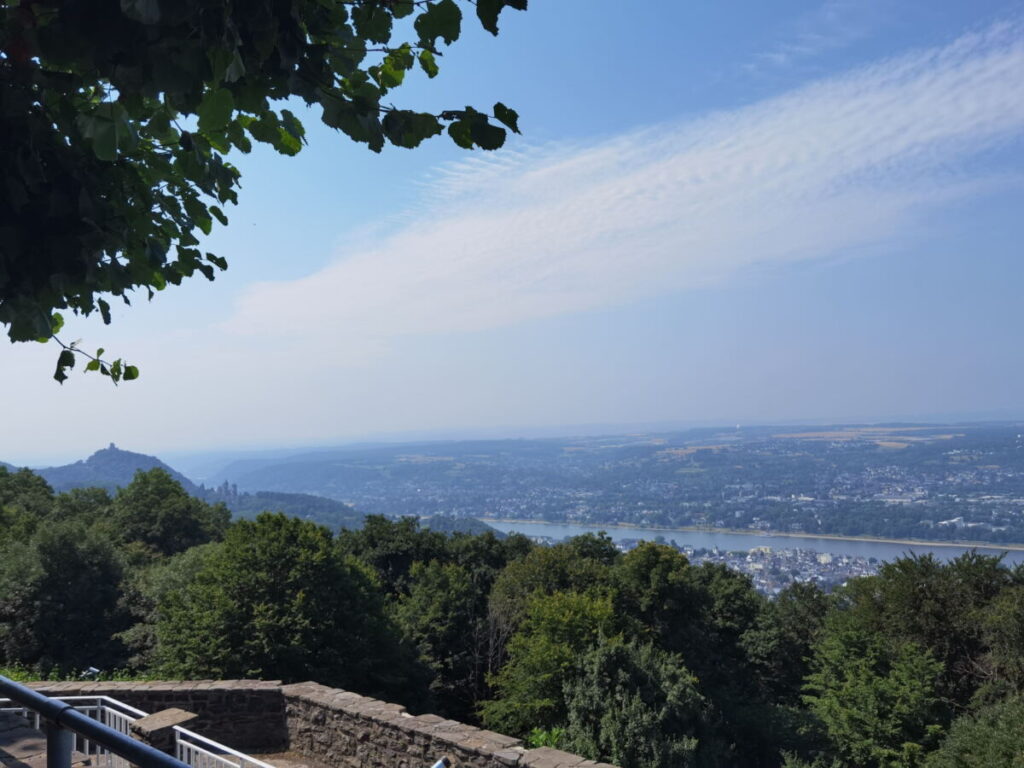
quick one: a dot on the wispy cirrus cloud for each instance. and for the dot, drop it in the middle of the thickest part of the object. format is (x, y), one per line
(841, 163)
(833, 25)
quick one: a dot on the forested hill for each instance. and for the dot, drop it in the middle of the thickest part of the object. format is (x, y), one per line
(317, 509)
(110, 468)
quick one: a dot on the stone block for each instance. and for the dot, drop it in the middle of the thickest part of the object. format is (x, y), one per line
(500, 738)
(157, 730)
(509, 756)
(546, 757)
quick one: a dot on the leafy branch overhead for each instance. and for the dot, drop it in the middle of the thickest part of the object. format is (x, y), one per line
(117, 119)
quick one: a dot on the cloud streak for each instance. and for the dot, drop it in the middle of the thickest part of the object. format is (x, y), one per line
(834, 25)
(840, 164)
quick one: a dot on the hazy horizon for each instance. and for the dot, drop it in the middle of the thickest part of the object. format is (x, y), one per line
(207, 455)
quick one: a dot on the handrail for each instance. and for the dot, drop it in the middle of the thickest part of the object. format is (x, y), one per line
(110, 702)
(192, 740)
(64, 715)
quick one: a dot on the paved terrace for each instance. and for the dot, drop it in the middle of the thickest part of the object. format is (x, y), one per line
(22, 746)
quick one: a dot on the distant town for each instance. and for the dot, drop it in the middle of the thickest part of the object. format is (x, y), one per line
(958, 482)
(771, 570)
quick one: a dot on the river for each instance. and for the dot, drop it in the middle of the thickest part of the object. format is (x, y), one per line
(728, 541)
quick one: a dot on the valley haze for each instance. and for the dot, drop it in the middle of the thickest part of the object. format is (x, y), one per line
(944, 483)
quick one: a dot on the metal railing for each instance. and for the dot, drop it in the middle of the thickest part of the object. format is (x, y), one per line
(110, 712)
(65, 727)
(201, 752)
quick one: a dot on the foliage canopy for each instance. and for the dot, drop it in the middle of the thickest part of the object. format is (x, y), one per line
(642, 659)
(117, 118)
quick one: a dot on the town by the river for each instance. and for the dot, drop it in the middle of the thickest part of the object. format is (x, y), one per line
(772, 562)
(728, 541)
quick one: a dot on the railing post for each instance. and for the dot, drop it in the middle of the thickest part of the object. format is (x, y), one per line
(60, 742)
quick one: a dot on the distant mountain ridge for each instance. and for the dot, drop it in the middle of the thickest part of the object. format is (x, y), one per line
(111, 468)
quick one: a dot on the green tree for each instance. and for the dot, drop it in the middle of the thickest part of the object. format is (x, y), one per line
(1003, 630)
(992, 738)
(391, 547)
(145, 587)
(938, 606)
(544, 570)
(59, 600)
(654, 584)
(878, 702)
(557, 631)
(637, 707)
(117, 120)
(88, 505)
(278, 600)
(156, 512)
(781, 643)
(25, 499)
(442, 618)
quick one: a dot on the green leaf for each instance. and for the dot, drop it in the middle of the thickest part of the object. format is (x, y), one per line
(215, 110)
(487, 136)
(402, 8)
(104, 311)
(104, 139)
(56, 323)
(428, 63)
(405, 128)
(65, 362)
(372, 22)
(292, 124)
(159, 127)
(266, 129)
(488, 10)
(443, 19)
(391, 72)
(131, 373)
(219, 215)
(356, 124)
(92, 365)
(461, 133)
(199, 214)
(507, 116)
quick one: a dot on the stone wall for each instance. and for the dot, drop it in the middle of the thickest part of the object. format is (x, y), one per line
(337, 728)
(244, 714)
(344, 729)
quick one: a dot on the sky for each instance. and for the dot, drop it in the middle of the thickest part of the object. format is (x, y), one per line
(717, 213)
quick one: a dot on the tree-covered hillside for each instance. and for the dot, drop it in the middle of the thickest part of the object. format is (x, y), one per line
(113, 468)
(642, 659)
(110, 468)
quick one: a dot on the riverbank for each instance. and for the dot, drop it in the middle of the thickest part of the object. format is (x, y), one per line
(749, 532)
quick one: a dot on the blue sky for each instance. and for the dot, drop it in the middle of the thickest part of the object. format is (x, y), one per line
(717, 213)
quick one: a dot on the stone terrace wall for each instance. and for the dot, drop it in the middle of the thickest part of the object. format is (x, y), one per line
(328, 725)
(344, 729)
(244, 714)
